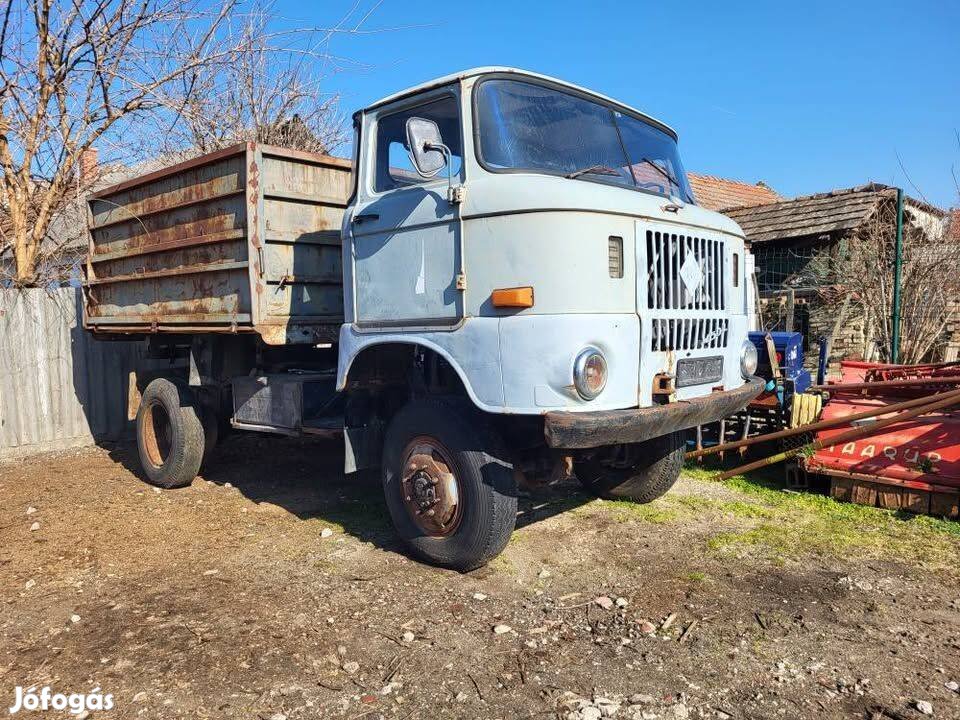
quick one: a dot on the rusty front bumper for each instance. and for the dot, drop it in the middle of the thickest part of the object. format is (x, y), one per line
(571, 430)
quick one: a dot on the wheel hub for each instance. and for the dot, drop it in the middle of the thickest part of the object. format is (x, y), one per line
(431, 492)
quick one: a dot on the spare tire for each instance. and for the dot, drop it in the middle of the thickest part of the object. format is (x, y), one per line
(170, 434)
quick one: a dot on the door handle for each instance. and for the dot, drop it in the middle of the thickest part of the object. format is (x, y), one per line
(364, 217)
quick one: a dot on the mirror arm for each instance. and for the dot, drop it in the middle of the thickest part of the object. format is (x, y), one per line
(454, 195)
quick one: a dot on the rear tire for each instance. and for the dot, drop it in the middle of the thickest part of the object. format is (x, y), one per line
(169, 434)
(649, 472)
(448, 486)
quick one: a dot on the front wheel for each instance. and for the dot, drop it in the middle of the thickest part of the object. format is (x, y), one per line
(640, 472)
(448, 486)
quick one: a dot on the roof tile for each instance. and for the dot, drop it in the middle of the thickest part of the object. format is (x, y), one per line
(816, 214)
(716, 193)
(953, 225)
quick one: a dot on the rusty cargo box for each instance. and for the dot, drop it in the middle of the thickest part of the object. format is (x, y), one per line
(246, 239)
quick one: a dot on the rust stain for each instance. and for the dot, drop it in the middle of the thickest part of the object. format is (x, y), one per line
(253, 183)
(179, 223)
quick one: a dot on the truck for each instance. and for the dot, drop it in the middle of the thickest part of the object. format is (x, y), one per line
(510, 282)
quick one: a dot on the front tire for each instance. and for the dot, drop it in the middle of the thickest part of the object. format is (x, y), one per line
(169, 434)
(450, 491)
(641, 472)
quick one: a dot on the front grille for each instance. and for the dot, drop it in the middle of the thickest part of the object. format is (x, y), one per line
(666, 255)
(689, 333)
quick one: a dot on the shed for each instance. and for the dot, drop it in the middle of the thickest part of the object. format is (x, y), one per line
(799, 246)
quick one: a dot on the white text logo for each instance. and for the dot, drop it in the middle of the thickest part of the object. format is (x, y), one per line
(46, 699)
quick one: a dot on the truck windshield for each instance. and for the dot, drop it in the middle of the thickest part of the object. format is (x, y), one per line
(528, 126)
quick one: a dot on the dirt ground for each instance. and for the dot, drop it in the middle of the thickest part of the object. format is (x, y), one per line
(273, 588)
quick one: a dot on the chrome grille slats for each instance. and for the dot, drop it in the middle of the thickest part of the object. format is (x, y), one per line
(666, 253)
(675, 333)
(680, 319)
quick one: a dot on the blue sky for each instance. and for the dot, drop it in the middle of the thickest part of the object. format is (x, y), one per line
(806, 96)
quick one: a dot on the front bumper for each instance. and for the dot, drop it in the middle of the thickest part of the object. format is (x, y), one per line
(574, 430)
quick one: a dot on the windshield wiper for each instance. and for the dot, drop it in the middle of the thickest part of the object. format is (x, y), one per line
(594, 170)
(670, 178)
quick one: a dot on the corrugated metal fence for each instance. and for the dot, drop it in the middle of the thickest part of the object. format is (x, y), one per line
(58, 386)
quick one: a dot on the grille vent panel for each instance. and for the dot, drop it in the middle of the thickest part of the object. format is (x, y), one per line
(666, 255)
(615, 256)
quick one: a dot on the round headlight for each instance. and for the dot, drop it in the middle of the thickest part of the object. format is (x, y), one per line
(589, 373)
(748, 359)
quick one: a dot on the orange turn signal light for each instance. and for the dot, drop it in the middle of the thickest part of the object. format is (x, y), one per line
(518, 297)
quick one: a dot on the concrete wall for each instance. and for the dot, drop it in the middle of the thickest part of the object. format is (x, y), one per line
(59, 387)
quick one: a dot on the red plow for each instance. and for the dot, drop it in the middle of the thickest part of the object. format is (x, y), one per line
(912, 465)
(889, 436)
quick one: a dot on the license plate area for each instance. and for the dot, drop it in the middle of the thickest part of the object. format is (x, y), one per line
(699, 371)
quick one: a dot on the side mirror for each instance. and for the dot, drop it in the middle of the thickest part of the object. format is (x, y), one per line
(427, 150)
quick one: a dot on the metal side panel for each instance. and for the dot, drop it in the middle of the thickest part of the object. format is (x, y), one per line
(169, 249)
(242, 239)
(268, 401)
(300, 281)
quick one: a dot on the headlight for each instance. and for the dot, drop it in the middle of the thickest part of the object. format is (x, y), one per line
(748, 359)
(589, 373)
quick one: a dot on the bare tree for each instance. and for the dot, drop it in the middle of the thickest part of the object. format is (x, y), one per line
(929, 284)
(137, 78)
(273, 93)
(77, 72)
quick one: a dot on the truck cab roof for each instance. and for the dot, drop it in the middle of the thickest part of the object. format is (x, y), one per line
(495, 69)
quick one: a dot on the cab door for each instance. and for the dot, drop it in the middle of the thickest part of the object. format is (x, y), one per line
(405, 234)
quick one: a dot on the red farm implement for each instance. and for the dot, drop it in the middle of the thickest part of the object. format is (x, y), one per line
(912, 465)
(889, 436)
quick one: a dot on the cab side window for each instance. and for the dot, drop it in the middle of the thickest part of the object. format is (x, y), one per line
(395, 169)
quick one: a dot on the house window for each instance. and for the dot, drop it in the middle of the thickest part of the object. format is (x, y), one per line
(395, 169)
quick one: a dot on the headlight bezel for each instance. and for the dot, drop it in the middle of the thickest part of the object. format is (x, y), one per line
(580, 367)
(749, 359)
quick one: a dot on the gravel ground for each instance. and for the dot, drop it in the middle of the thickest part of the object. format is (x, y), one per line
(273, 588)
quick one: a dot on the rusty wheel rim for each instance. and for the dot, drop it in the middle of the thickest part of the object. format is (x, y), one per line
(157, 434)
(430, 488)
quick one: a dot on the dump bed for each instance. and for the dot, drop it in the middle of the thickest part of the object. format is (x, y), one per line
(246, 239)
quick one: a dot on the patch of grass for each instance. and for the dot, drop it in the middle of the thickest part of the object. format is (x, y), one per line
(349, 515)
(693, 502)
(739, 508)
(675, 507)
(786, 526)
(519, 537)
(502, 564)
(659, 512)
(736, 508)
(697, 577)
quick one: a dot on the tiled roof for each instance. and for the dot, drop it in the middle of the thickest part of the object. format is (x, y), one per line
(819, 214)
(953, 226)
(716, 193)
(810, 215)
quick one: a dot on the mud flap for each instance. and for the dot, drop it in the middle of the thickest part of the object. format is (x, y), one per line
(133, 395)
(362, 447)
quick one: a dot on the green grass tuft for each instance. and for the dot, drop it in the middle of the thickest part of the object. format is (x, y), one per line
(786, 526)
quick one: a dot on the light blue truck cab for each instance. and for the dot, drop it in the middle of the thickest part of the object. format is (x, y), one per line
(529, 292)
(536, 249)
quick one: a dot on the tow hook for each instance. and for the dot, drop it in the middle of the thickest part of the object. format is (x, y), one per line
(663, 388)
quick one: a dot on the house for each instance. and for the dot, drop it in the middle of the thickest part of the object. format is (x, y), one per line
(953, 225)
(716, 193)
(824, 268)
